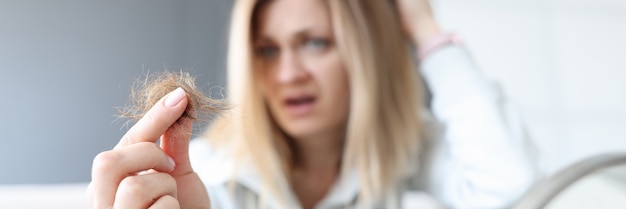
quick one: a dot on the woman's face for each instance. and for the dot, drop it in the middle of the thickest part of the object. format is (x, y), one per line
(300, 69)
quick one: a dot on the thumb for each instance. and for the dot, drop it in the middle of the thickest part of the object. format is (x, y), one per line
(175, 143)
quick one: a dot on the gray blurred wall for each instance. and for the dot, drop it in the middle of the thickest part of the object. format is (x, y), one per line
(65, 65)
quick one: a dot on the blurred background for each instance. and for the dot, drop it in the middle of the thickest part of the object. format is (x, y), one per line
(562, 61)
(65, 65)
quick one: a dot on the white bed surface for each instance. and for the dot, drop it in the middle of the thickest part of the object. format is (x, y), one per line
(65, 196)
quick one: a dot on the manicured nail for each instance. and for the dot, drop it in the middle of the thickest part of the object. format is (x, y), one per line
(171, 161)
(175, 97)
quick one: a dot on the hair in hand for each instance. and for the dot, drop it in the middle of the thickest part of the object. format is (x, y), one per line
(147, 92)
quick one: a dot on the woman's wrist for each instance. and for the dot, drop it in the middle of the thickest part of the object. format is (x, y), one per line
(437, 42)
(425, 30)
(427, 36)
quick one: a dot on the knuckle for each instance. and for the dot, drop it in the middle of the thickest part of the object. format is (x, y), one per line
(134, 187)
(169, 180)
(105, 161)
(171, 201)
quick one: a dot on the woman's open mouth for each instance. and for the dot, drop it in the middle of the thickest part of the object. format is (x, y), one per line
(301, 105)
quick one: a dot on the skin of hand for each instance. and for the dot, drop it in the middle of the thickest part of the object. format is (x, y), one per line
(418, 21)
(138, 173)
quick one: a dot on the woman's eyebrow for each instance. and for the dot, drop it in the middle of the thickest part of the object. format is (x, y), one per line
(262, 39)
(300, 33)
(310, 32)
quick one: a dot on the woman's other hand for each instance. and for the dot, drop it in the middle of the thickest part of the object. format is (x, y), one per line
(418, 21)
(138, 173)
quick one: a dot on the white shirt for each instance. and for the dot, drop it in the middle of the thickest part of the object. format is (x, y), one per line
(477, 155)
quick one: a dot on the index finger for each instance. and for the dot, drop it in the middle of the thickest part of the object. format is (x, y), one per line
(157, 120)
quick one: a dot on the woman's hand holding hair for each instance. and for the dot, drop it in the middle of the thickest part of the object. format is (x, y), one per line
(138, 173)
(418, 21)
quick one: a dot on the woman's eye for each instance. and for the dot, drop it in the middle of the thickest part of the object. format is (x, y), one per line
(267, 52)
(317, 43)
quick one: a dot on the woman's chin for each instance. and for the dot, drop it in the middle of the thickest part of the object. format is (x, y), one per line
(302, 129)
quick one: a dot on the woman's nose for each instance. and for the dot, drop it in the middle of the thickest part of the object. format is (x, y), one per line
(290, 69)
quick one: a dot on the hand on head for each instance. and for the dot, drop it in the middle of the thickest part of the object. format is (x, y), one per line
(418, 20)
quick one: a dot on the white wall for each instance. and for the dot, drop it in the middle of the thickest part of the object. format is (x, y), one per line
(563, 61)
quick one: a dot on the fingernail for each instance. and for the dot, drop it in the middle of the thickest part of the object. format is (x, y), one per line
(171, 161)
(175, 97)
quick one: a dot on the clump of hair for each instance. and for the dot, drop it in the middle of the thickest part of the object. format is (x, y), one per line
(147, 92)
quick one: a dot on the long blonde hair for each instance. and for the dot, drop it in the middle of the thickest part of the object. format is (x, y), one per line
(383, 130)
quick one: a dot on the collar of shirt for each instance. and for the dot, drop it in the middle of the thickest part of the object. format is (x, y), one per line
(342, 193)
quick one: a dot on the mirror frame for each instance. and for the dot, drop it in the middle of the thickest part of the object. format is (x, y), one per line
(545, 191)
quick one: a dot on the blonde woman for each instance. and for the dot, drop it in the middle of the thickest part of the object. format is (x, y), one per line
(328, 112)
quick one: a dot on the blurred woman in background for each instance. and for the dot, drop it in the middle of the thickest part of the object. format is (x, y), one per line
(328, 112)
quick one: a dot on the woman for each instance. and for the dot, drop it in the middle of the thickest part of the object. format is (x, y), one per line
(328, 113)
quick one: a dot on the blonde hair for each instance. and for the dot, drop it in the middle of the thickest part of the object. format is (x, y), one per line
(383, 130)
